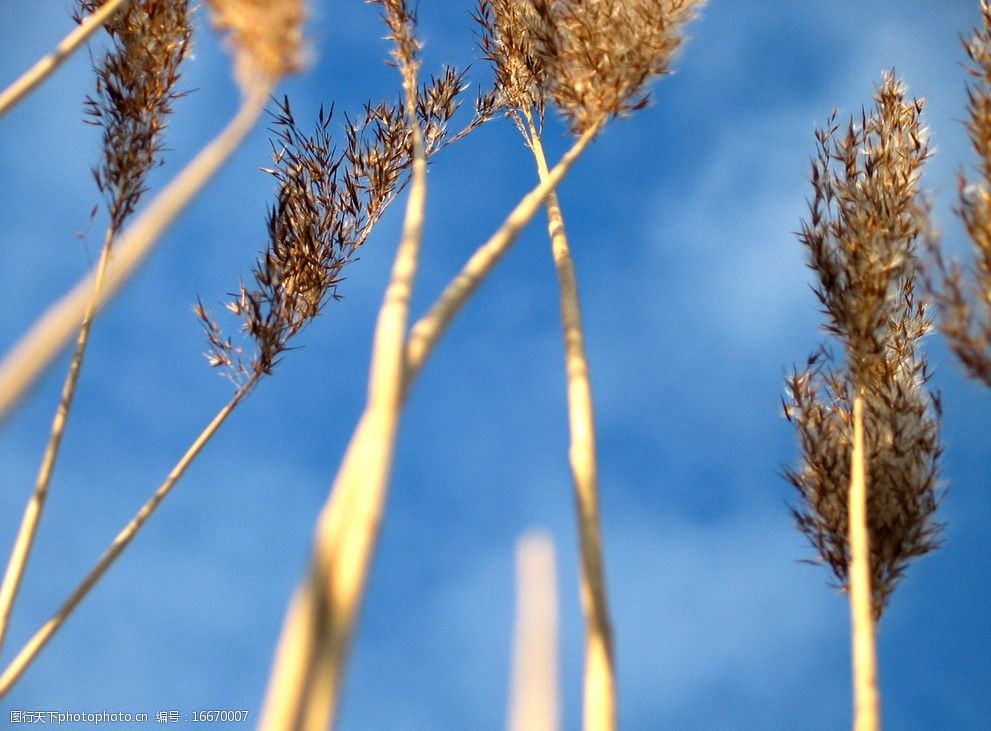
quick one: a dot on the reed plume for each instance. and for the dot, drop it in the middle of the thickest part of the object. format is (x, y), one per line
(328, 201)
(135, 90)
(868, 429)
(600, 55)
(964, 299)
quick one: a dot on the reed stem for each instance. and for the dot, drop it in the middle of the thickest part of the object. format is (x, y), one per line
(600, 678)
(866, 702)
(21, 551)
(34, 646)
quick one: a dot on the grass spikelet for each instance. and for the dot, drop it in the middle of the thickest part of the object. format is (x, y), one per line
(869, 431)
(565, 51)
(327, 204)
(600, 55)
(266, 37)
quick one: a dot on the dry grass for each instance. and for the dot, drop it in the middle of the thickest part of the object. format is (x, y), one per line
(592, 62)
(135, 90)
(868, 427)
(869, 431)
(533, 699)
(256, 69)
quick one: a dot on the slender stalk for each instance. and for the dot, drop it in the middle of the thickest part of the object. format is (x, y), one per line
(320, 624)
(428, 329)
(866, 703)
(32, 512)
(34, 646)
(533, 703)
(25, 363)
(47, 64)
(600, 676)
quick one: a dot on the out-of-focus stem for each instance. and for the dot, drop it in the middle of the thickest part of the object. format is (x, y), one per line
(32, 512)
(47, 64)
(534, 703)
(600, 676)
(867, 715)
(36, 349)
(34, 646)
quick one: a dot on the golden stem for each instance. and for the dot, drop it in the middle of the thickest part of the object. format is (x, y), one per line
(600, 675)
(863, 636)
(34, 646)
(21, 551)
(534, 704)
(309, 666)
(428, 329)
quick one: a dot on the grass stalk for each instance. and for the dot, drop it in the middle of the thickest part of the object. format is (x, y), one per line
(46, 65)
(600, 677)
(35, 351)
(866, 702)
(32, 513)
(33, 647)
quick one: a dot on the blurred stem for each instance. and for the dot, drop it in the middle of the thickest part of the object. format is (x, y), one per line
(866, 702)
(34, 646)
(600, 680)
(47, 64)
(35, 351)
(533, 702)
(309, 666)
(32, 512)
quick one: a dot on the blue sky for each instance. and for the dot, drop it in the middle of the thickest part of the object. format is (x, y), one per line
(696, 301)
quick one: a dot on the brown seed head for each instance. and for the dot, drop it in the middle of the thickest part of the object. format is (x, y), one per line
(599, 55)
(327, 203)
(865, 218)
(135, 88)
(267, 36)
(964, 299)
(505, 41)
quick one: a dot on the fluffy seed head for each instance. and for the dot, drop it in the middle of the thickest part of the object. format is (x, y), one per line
(866, 217)
(327, 203)
(964, 298)
(135, 88)
(600, 55)
(267, 36)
